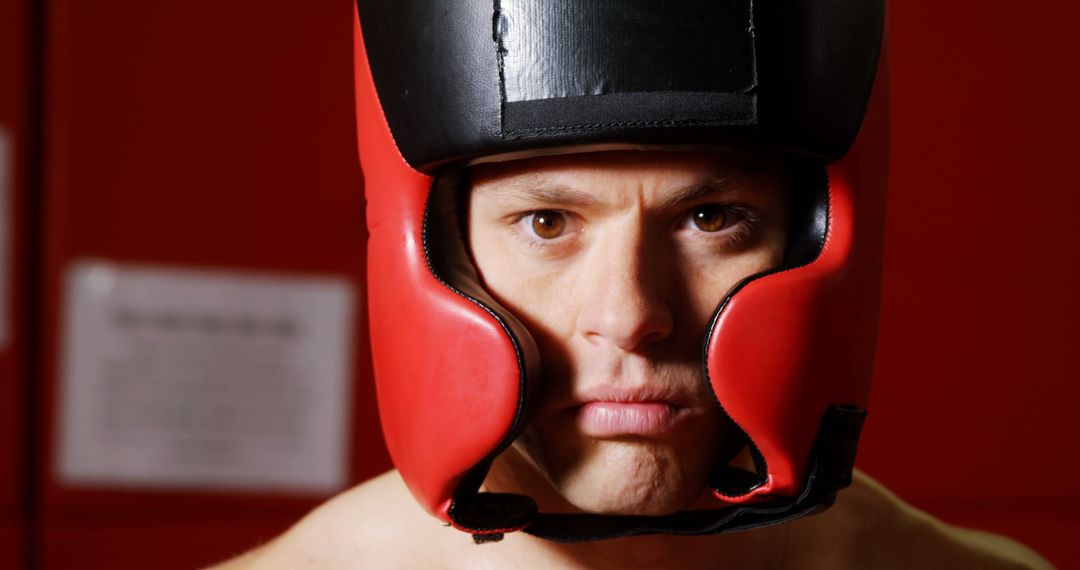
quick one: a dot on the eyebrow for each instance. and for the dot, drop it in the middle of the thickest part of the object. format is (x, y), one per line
(532, 190)
(696, 191)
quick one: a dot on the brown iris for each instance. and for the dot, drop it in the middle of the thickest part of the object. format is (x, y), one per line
(710, 218)
(548, 224)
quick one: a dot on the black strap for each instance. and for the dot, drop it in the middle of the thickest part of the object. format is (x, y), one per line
(832, 462)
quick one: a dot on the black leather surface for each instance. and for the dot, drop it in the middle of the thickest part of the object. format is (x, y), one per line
(568, 48)
(654, 117)
(437, 70)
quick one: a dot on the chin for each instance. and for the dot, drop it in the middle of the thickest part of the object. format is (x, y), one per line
(634, 478)
(631, 476)
(566, 471)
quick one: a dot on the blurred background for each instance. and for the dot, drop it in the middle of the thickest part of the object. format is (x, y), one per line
(183, 361)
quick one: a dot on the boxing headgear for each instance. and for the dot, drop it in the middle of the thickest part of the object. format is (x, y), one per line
(442, 83)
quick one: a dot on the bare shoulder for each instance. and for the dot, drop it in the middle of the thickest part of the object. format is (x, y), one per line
(374, 525)
(885, 532)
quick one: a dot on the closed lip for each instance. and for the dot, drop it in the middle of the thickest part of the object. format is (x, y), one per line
(639, 394)
(608, 411)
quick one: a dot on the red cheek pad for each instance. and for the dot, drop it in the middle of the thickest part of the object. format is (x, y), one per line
(789, 345)
(448, 377)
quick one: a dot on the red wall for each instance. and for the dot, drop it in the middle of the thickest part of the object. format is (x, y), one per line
(975, 407)
(219, 134)
(201, 134)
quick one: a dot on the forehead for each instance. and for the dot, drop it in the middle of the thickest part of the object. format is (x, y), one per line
(616, 175)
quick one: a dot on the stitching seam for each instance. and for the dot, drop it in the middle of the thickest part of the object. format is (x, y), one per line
(626, 124)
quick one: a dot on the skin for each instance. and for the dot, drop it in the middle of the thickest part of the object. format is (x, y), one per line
(615, 263)
(618, 294)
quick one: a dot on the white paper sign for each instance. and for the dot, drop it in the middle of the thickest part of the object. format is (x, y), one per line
(186, 379)
(6, 273)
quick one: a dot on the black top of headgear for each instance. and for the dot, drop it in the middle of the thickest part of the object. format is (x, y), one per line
(460, 79)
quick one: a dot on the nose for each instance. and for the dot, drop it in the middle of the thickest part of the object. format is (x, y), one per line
(624, 301)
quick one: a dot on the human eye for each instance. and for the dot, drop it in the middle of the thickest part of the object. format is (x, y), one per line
(547, 224)
(728, 224)
(546, 230)
(713, 218)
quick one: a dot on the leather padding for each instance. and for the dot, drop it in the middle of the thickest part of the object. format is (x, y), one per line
(791, 344)
(439, 71)
(454, 372)
(448, 374)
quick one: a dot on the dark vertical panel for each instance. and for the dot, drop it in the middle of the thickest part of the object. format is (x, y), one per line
(15, 225)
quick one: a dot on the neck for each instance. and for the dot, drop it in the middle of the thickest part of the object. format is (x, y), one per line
(762, 548)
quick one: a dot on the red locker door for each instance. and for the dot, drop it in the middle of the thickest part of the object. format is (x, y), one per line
(975, 402)
(201, 158)
(14, 51)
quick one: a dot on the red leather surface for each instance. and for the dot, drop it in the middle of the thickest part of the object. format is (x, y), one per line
(789, 345)
(786, 348)
(447, 374)
(209, 135)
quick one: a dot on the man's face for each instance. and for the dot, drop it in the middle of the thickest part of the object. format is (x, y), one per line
(615, 262)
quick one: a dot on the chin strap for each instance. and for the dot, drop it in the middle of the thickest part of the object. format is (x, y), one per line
(490, 515)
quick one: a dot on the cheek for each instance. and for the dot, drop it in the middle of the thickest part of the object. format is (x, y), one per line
(537, 293)
(712, 281)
